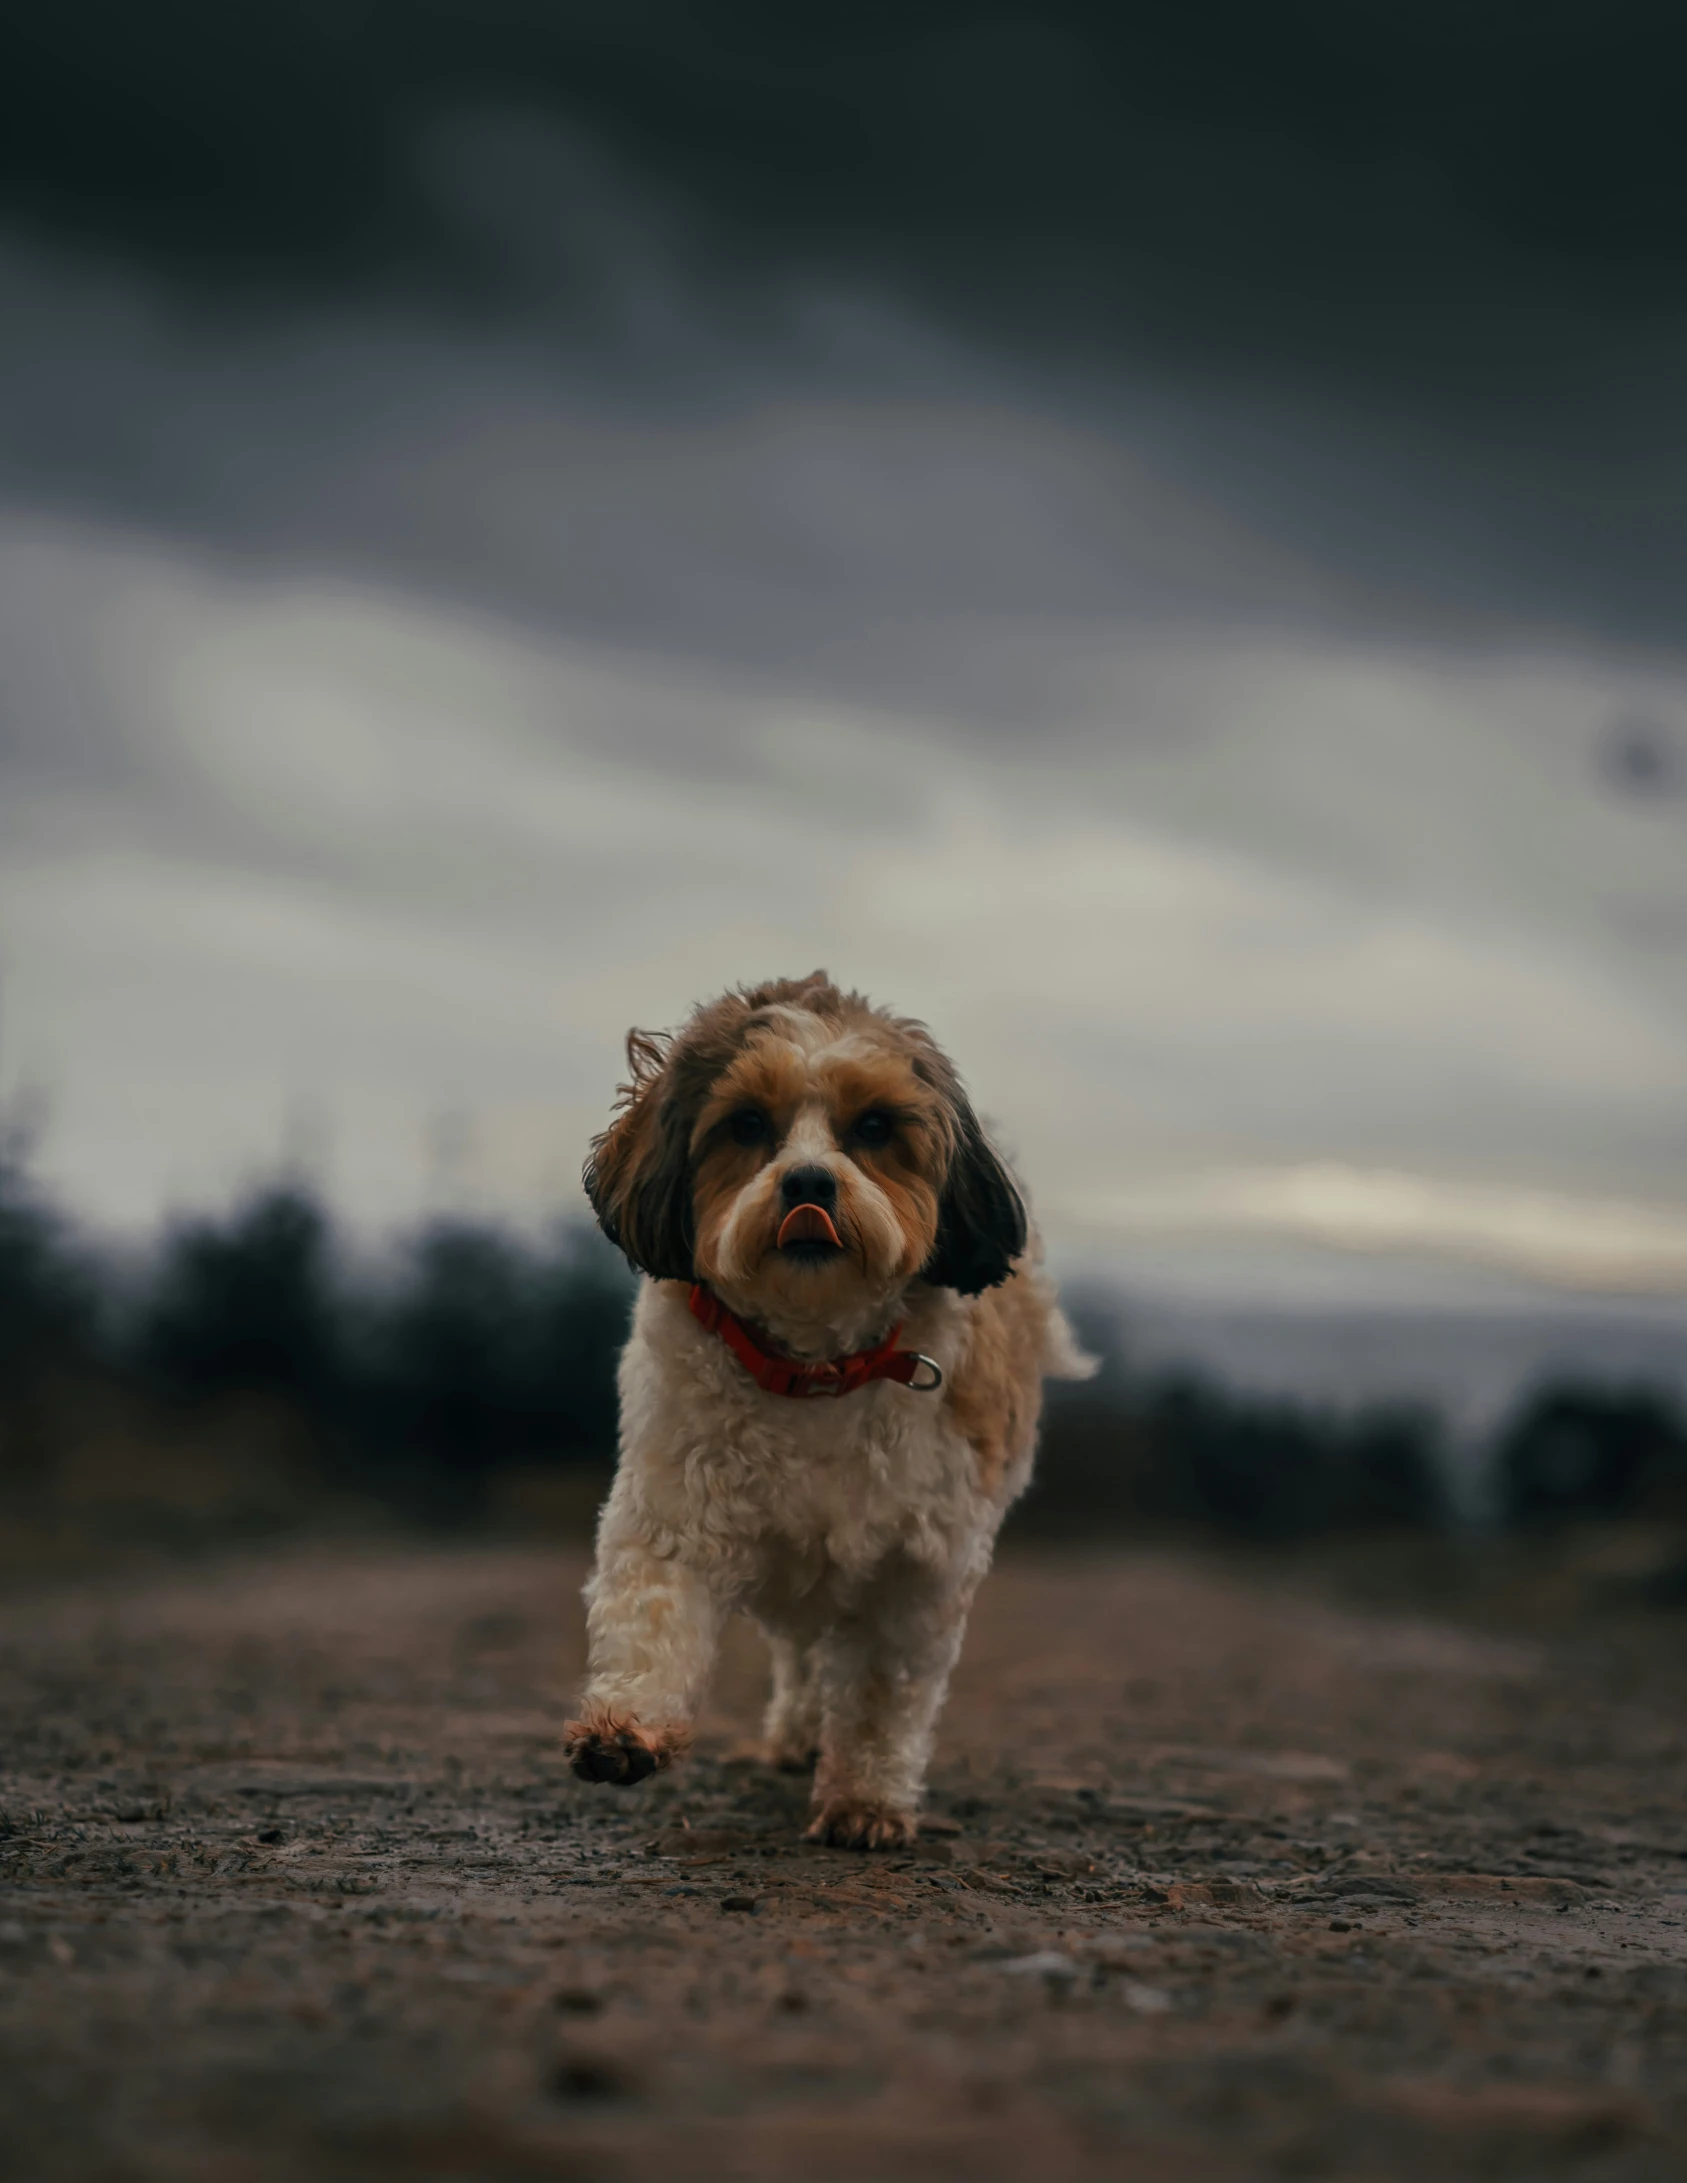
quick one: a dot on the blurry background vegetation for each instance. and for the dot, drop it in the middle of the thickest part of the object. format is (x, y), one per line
(252, 1373)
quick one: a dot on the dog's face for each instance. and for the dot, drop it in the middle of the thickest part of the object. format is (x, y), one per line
(818, 1160)
(805, 1155)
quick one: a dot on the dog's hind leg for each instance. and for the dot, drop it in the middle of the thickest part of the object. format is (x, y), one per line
(791, 1726)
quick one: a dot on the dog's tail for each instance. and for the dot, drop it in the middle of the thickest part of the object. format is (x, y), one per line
(1062, 1358)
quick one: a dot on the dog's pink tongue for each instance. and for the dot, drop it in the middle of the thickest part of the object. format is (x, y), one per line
(807, 1224)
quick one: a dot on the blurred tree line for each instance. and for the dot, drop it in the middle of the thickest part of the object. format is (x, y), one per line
(414, 1378)
(1176, 1448)
(420, 1379)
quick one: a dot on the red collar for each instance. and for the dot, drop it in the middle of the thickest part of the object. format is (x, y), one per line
(789, 1376)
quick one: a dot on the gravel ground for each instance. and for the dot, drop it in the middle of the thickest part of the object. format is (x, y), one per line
(1222, 1880)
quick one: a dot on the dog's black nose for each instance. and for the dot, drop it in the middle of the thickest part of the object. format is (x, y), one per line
(809, 1186)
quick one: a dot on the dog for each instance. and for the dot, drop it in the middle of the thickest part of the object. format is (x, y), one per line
(829, 1398)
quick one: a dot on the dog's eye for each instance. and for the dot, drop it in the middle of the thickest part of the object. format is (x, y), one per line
(748, 1126)
(875, 1127)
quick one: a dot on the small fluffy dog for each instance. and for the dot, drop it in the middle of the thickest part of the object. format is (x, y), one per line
(830, 1394)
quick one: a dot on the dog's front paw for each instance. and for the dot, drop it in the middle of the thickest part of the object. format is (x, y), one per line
(605, 1746)
(850, 1823)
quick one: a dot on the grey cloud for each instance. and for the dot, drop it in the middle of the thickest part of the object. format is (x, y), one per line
(922, 531)
(845, 349)
(907, 549)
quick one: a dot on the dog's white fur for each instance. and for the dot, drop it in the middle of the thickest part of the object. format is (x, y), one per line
(854, 1530)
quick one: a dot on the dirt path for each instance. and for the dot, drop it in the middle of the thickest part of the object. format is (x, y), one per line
(1227, 1885)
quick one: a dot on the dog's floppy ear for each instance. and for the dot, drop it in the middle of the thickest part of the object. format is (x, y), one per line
(980, 1220)
(638, 1176)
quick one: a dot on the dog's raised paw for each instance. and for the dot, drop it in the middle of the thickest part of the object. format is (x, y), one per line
(620, 1759)
(604, 1747)
(844, 1823)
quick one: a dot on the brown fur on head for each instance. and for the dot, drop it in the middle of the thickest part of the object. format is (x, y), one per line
(689, 1179)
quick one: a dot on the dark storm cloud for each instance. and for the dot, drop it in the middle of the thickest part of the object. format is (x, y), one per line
(1389, 297)
(1428, 185)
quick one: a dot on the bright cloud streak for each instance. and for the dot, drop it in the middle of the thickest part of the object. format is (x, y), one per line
(1574, 1241)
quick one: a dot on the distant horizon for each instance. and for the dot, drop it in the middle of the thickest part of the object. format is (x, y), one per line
(1349, 1330)
(1201, 1259)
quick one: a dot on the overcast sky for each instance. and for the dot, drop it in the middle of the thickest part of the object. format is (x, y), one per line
(1162, 551)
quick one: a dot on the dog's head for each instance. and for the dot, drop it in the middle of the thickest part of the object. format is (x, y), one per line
(805, 1154)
